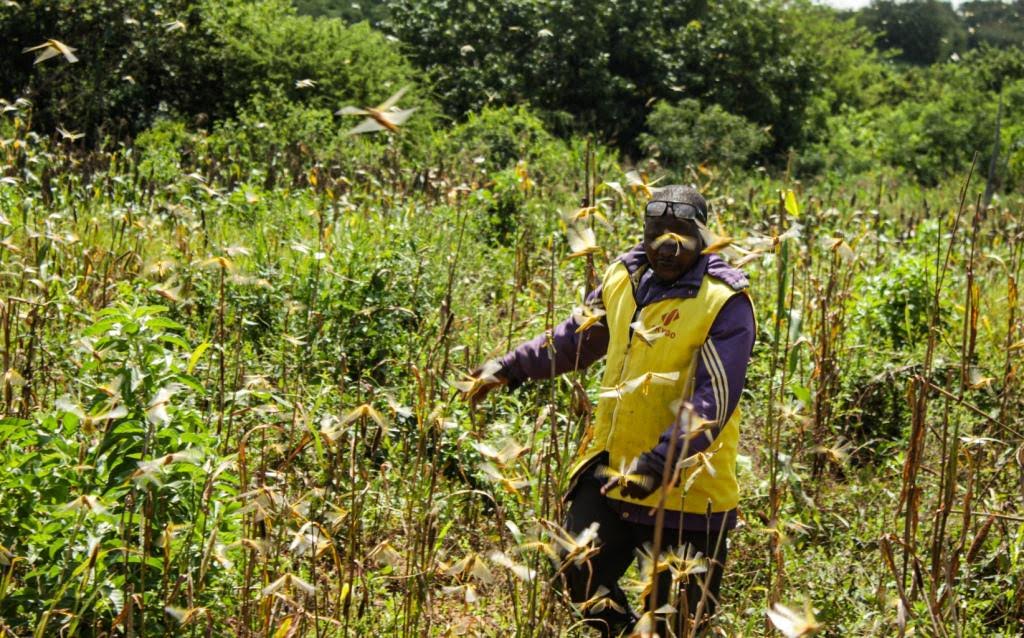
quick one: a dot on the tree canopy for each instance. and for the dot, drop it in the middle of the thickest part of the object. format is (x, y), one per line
(756, 81)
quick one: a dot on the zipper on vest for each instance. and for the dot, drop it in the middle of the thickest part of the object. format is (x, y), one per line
(625, 357)
(618, 401)
(634, 281)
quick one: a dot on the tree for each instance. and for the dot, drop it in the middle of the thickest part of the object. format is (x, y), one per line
(134, 55)
(199, 59)
(601, 65)
(998, 24)
(372, 11)
(923, 31)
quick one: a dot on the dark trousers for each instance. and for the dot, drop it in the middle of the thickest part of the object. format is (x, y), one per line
(618, 541)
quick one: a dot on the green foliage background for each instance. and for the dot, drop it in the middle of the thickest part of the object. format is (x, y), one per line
(911, 87)
(206, 280)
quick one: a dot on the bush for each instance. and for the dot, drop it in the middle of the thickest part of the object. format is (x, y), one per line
(130, 417)
(689, 133)
(264, 46)
(893, 305)
(501, 136)
(927, 129)
(272, 134)
(514, 157)
(936, 138)
(270, 123)
(161, 149)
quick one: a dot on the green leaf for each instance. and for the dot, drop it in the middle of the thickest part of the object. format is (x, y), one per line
(14, 429)
(163, 323)
(191, 382)
(791, 206)
(796, 322)
(128, 431)
(196, 354)
(176, 340)
(150, 310)
(111, 312)
(100, 327)
(284, 627)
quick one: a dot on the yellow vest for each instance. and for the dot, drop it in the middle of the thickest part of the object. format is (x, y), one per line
(631, 423)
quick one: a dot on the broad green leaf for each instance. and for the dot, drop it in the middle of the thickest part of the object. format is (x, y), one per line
(163, 323)
(191, 382)
(176, 340)
(150, 310)
(801, 393)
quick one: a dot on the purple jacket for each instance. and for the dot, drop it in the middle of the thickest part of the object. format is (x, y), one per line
(719, 380)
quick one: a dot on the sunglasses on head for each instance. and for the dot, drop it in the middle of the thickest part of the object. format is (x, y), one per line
(657, 208)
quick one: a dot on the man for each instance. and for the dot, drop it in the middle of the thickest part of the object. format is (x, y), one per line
(677, 334)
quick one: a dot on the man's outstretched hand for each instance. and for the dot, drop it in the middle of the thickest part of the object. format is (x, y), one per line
(476, 385)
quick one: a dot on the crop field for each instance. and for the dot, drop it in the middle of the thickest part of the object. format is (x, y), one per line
(243, 316)
(231, 403)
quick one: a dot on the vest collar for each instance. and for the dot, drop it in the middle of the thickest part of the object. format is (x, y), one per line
(635, 261)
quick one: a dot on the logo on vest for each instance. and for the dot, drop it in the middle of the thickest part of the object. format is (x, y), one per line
(667, 319)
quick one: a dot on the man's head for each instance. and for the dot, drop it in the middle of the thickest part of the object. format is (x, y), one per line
(674, 230)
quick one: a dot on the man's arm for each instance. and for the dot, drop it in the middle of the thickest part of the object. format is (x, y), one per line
(721, 374)
(572, 350)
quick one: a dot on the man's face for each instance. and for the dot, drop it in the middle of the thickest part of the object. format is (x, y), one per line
(669, 256)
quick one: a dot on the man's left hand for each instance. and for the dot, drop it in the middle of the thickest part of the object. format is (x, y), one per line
(638, 481)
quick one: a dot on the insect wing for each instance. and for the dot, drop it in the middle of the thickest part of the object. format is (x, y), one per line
(587, 317)
(588, 535)
(397, 118)
(749, 258)
(491, 472)
(485, 449)
(664, 378)
(581, 241)
(479, 570)
(587, 323)
(45, 53)
(393, 100)
(64, 50)
(369, 125)
(685, 243)
(718, 246)
(467, 386)
(647, 335)
(490, 370)
(636, 383)
(510, 451)
(612, 392)
(520, 571)
(791, 623)
(560, 536)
